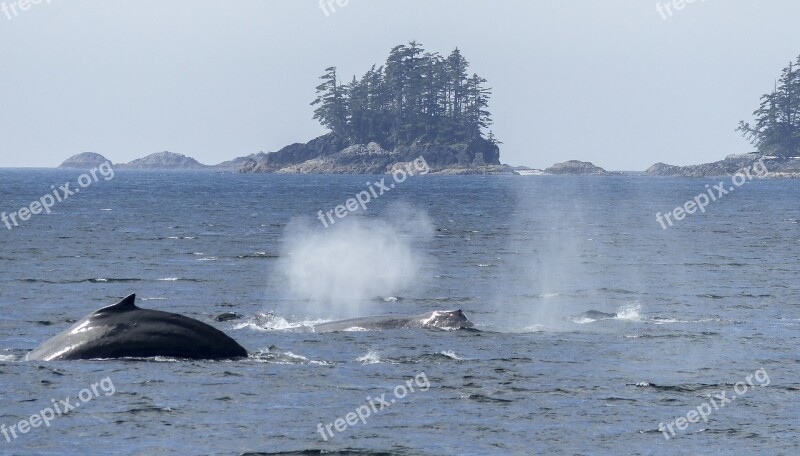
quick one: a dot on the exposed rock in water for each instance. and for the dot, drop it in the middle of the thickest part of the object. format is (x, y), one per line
(327, 154)
(477, 170)
(85, 160)
(772, 167)
(578, 168)
(236, 163)
(358, 159)
(729, 166)
(663, 169)
(164, 160)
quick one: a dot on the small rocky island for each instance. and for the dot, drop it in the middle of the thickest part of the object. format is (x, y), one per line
(86, 160)
(417, 104)
(776, 167)
(578, 168)
(775, 133)
(164, 160)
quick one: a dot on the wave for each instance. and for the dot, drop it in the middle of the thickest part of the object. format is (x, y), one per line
(630, 312)
(371, 357)
(484, 398)
(683, 388)
(106, 280)
(269, 321)
(452, 355)
(287, 357)
(259, 255)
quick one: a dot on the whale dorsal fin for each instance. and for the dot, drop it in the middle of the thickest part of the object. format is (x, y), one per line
(127, 304)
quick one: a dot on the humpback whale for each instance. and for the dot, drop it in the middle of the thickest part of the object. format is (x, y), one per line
(594, 315)
(449, 319)
(126, 331)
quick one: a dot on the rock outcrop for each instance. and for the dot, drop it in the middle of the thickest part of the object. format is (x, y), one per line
(328, 155)
(164, 160)
(729, 166)
(775, 167)
(578, 168)
(86, 160)
(236, 163)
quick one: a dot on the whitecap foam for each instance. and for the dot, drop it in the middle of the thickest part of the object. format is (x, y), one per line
(268, 321)
(287, 357)
(7, 358)
(664, 321)
(630, 312)
(355, 329)
(291, 355)
(451, 354)
(169, 279)
(370, 358)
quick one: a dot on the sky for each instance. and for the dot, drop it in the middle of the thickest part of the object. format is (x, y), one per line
(613, 82)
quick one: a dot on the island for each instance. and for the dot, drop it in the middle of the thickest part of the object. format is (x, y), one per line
(775, 133)
(420, 104)
(86, 160)
(417, 104)
(164, 160)
(578, 168)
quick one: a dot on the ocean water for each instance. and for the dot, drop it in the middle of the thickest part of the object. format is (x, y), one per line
(710, 305)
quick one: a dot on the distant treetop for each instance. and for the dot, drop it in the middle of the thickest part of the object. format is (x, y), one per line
(415, 97)
(776, 130)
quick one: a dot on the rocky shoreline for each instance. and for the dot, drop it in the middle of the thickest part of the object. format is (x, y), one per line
(776, 167)
(323, 156)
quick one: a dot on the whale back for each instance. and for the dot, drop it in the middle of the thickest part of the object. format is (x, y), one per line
(440, 319)
(124, 330)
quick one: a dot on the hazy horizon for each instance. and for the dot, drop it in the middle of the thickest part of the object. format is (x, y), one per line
(616, 83)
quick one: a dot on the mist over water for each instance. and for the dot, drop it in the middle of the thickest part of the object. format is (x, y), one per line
(695, 309)
(563, 267)
(342, 270)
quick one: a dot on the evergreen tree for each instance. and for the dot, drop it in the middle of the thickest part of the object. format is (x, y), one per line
(415, 96)
(776, 130)
(331, 100)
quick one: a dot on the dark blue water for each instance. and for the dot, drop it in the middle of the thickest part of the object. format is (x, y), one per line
(702, 306)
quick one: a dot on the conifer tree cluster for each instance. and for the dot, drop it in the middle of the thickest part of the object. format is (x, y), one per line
(776, 130)
(415, 96)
